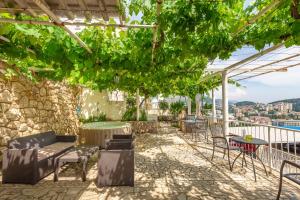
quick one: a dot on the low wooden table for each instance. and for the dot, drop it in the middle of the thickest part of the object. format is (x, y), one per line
(79, 154)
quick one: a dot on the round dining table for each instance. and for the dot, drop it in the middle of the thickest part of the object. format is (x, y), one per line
(243, 142)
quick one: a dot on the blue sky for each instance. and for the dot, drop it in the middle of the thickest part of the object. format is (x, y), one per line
(268, 88)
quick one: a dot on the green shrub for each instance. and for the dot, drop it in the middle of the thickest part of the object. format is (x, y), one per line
(163, 105)
(207, 106)
(130, 102)
(193, 106)
(129, 115)
(176, 107)
(101, 117)
(143, 116)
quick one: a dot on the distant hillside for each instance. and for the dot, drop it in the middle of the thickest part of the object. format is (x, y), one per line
(245, 103)
(295, 102)
(230, 102)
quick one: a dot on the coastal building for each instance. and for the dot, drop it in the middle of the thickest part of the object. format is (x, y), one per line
(283, 107)
(261, 120)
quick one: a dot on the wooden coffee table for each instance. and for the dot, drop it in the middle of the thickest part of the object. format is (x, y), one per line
(79, 154)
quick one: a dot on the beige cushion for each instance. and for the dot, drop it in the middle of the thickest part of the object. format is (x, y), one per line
(55, 148)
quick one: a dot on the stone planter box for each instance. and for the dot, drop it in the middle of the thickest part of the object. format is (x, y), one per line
(144, 126)
(166, 118)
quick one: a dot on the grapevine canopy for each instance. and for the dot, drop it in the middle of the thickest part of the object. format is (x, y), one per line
(170, 58)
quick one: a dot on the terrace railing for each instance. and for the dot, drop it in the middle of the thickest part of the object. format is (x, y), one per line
(283, 143)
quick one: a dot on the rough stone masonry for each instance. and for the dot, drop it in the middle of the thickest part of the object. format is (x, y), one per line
(28, 108)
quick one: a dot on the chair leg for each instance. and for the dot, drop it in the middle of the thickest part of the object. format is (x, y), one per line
(213, 153)
(229, 160)
(280, 187)
(244, 160)
(224, 153)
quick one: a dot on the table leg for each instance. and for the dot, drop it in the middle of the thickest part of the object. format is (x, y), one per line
(244, 159)
(262, 164)
(253, 166)
(257, 157)
(236, 159)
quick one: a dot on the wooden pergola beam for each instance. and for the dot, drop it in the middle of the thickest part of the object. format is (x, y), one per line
(261, 13)
(259, 54)
(242, 70)
(65, 6)
(36, 69)
(84, 7)
(59, 9)
(278, 70)
(34, 22)
(8, 40)
(103, 8)
(262, 67)
(4, 39)
(24, 5)
(121, 15)
(12, 12)
(45, 8)
(248, 59)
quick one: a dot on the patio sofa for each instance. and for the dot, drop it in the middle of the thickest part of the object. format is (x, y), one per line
(29, 159)
(116, 163)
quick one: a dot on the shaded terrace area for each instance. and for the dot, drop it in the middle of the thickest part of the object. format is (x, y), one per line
(168, 165)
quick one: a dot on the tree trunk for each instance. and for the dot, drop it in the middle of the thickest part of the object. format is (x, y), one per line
(294, 9)
(137, 105)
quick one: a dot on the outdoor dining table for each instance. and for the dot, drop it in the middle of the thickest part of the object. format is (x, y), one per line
(252, 152)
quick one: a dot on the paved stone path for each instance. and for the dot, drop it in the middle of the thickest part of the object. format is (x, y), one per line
(168, 165)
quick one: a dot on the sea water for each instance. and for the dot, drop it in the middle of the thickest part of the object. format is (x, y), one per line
(291, 127)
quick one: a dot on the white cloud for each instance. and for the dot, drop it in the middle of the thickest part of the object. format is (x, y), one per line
(290, 78)
(234, 93)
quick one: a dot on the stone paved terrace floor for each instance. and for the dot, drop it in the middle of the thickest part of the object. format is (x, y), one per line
(168, 165)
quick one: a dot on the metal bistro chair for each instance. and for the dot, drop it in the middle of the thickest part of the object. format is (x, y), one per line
(220, 141)
(295, 177)
(200, 128)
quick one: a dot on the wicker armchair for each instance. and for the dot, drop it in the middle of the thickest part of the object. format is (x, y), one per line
(116, 164)
(220, 141)
(295, 177)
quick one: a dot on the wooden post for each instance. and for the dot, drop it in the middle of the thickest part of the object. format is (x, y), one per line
(189, 104)
(214, 114)
(137, 105)
(198, 105)
(225, 102)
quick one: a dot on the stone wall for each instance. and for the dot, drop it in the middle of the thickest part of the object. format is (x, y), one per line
(139, 127)
(28, 108)
(95, 102)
